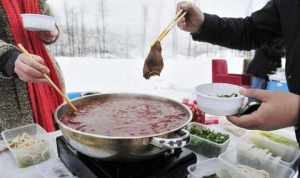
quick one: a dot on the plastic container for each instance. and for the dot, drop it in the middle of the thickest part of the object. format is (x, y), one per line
(33, 154)
(213, 166)
(274, 85)
(275, 170)
(290, 156)
(210, 100)
(37, 22)
(204, 146)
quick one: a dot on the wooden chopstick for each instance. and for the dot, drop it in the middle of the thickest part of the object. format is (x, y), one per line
(169, 26)
(164, 33)
(50, 81)
(172, 25)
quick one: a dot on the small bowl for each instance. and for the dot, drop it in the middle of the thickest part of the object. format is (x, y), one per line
(37, 22)
(217, 99)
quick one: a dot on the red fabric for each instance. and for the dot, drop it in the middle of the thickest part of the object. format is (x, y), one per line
(220, 74)
(44, 99)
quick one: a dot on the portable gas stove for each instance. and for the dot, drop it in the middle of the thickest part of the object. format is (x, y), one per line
(166, 166)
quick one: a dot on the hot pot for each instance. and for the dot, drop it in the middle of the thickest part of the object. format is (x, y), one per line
(124, 148)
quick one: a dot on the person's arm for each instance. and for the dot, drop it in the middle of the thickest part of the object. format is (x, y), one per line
(238, 33)
(51, 36)
(45, 8)
(13, 63)
(8, 56)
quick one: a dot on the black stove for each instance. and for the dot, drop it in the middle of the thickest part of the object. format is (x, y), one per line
(167, 166)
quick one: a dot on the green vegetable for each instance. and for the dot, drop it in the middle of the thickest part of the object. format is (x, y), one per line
(205, 141)
(279, 139)
(211, 176)
(210, 135)
(228, 96)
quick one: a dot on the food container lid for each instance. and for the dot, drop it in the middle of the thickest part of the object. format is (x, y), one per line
(293, 163)
(268, 164)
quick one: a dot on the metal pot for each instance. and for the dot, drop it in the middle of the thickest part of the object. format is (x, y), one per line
(123, 148)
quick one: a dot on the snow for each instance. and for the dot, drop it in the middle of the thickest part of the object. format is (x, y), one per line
(181, 74)
(178, 79)
(130, 28)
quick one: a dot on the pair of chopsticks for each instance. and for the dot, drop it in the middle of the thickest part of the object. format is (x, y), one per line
(164, 33)
(50, 81)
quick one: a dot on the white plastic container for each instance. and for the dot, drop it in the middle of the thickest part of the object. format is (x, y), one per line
(37, 22)
(31, 155)
(204, 146)
(209, 100)
(275, 170)
(290, 156)
(213, 166)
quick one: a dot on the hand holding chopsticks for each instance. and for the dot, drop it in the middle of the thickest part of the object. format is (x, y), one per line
(164, 33)
(50, 81)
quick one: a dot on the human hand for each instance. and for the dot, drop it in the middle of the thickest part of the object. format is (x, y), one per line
(48, 36)
(278, 110)
(31, 68)
(194, 18)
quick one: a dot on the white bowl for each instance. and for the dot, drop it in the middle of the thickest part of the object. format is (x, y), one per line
(209, 100)
(37, 22)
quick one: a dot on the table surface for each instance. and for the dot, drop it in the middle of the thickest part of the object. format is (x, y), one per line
(53, 168)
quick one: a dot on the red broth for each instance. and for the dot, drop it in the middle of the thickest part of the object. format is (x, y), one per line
(127, 117)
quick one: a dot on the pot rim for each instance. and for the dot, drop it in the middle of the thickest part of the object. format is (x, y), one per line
(129, 137)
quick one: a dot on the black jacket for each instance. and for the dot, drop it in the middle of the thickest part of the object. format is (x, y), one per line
(278, 19)
(266, 59)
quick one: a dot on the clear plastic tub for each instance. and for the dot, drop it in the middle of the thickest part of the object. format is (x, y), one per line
(206, 147)
(291, 156)
(32, 154)
(214, 166)
(275, 169)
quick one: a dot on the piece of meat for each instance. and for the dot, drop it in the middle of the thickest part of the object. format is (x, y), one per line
(154, 62)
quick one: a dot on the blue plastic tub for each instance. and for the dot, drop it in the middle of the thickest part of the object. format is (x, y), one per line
(274, 85)
(73, 95)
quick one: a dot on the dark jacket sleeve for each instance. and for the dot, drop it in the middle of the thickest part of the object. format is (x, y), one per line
(267, 59)
(242, 33)
(8, 56)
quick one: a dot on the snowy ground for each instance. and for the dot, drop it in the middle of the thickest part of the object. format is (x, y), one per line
(178, 78)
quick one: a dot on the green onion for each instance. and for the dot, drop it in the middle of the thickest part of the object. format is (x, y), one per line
(209, 135)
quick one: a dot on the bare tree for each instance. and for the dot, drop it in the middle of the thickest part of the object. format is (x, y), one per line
(76, 26)
(144, 22)
(98, 48)
(175, 37)
(67, 27)
(127, 45)
(82, 31)
(101, 27)
(71, 30)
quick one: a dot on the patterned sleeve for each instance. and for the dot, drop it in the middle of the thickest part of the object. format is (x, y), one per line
(45, 8)
(8, 55)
